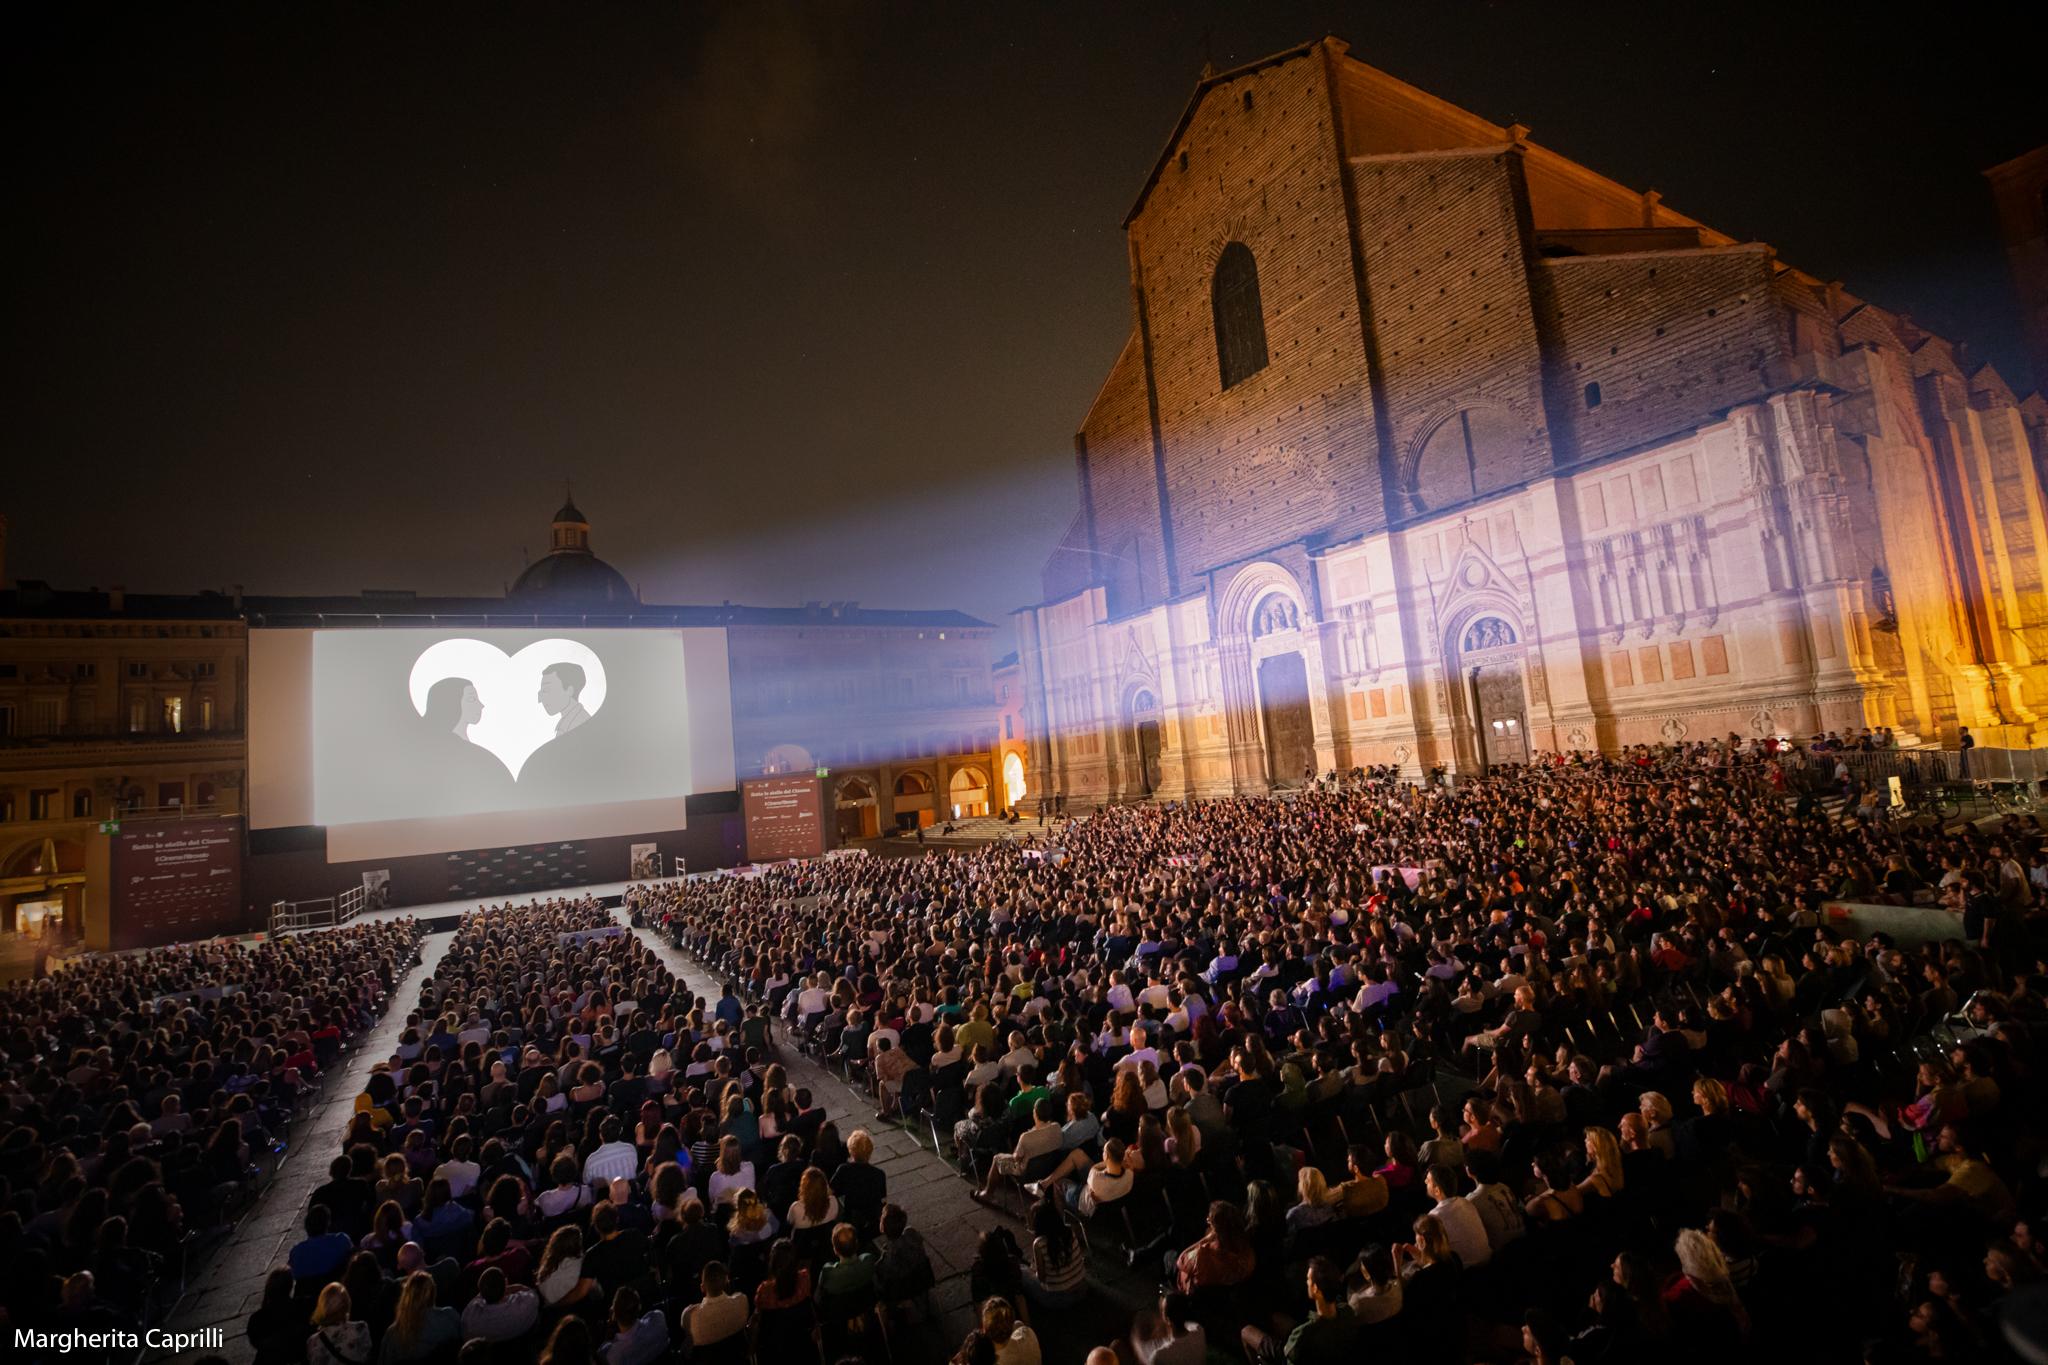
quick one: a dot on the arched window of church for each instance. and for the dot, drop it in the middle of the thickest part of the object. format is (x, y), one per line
(1472, 452)
(1240, 322)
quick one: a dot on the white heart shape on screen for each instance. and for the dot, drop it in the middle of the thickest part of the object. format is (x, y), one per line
(514, 725)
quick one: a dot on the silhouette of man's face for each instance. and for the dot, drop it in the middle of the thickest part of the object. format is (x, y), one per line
(555, 698)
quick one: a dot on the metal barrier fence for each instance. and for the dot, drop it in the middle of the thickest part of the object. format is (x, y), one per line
(326, 912)
(1923, 767)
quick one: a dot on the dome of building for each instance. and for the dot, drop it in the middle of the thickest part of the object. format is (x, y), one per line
(569, 571)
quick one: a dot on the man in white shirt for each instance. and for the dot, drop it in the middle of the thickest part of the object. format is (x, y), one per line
(1141, 1049)
(498, 1313)
(1155, 994)
(718, 1315)
(615, 1159)
(1461, 1221)
(1120, 1000)
(1019, 1056)
(1499, 1211)
(1376, 991)
(458, 1170)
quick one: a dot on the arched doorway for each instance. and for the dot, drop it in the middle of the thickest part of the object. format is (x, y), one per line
(1490, 656)
(914, 799)
(969, 793)
(1285, 716)
(1144, 743)
(859, 815)
(1013, 779)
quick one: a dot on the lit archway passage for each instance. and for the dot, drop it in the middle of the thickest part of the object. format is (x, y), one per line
(1013, 779)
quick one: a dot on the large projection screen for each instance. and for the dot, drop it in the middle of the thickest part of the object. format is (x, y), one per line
(406, 740)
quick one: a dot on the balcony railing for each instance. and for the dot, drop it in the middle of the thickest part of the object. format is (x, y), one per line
(26, 738)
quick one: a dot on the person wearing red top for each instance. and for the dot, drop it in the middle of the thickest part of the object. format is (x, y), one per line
(1221, 1257)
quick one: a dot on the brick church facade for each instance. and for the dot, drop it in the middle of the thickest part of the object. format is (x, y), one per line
(1429, 445)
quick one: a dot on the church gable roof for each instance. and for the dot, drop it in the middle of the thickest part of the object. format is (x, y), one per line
(1209, 81)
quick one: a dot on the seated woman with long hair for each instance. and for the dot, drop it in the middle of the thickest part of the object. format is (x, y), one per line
(1056, 1275)
(559, 1277)
(339, 1337)
(1430, 1271)
(752, 1220)
(1222, 1256)
(816, 1205)
(731, 1175)
(419, 1330)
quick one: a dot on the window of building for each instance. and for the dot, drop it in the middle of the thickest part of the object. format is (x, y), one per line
(84, 671)
(1009, 727)
(1472, 452)
(1593, 394)
(174, 714)
(6, 808)
(138, 670)
(42, 803)
(202, 669)
(138, 715)
(81, 804)
(170, 795)
(206, 713)
(6, 720)
(1240, 322)
(10, 671)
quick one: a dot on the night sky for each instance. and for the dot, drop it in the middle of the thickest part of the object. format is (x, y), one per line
(807, 302)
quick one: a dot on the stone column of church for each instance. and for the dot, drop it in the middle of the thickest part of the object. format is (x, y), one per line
(1778, 668)
(2006, 472)
(1942, 684)
(1318, 693)
(1437, 723)
(1390, 652)
(1046, 755)
(1325, 668)
(1829, 578)
(1979, 541)
(1561, 713)
(1105, 716)
(1176, 698)
(1241, 715)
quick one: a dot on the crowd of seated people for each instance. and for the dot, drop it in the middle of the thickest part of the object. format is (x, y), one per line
(145, 1097)
(571, 1158)
(1570, 1061)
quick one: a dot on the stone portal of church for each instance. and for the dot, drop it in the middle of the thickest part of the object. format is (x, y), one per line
(1284, 710)
(1491, 651)
(1503, 720)
(1145, 768)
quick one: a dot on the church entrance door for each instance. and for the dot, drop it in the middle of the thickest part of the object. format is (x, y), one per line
(1289, 725)
(1148, 755)
(1145, 744)
(1503, 718)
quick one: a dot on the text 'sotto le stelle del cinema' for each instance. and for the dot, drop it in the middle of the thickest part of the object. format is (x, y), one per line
(1431, 446)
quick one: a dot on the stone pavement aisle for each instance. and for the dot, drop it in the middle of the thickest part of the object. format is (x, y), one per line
(942, 1208)
(227, 1287)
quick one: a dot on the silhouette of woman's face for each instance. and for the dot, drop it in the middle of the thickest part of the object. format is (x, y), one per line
(472, 705)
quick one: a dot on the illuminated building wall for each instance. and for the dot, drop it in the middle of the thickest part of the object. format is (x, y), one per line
(1431, 446)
